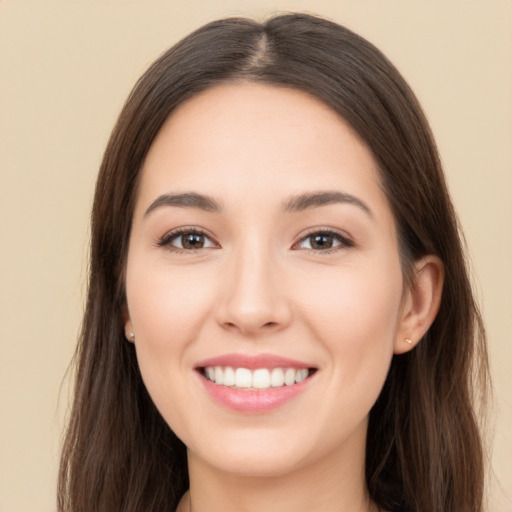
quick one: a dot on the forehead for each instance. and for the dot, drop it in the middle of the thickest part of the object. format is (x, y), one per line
(248, 139)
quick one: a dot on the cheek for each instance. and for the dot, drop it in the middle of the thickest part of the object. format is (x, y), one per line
(166, 305)
(354, 299)
(356, 320)
(167, 310)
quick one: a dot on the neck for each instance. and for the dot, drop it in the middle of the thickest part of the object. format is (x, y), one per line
(334, 484)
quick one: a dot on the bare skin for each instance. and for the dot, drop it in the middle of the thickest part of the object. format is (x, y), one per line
(236, 251)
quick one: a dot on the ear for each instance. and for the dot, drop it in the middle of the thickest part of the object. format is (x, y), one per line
(421, 303)
(128, 327)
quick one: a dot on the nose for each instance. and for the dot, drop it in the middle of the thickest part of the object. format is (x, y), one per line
(253, 300)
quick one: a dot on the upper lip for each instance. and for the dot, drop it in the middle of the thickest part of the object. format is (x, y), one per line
(252, 362)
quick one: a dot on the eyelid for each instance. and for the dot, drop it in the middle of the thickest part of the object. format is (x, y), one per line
(169, 236)
(344, 239)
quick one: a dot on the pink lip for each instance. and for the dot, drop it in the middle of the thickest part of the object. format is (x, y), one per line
(253, 401)
(269, 361)
(250, 401)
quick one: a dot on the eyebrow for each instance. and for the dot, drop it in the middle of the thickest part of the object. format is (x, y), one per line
(296, 203)
(309, 200)
(186, 200)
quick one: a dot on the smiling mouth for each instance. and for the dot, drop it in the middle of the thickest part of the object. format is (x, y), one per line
(255, 380)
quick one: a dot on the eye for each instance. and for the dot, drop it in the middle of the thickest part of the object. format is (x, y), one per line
(323, 241)
(187, 239)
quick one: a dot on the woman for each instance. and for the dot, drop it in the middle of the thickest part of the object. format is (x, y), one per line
(279, 314)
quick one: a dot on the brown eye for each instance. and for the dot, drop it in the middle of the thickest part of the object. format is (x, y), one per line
(324, 241)
(192, 241)
(187, 240)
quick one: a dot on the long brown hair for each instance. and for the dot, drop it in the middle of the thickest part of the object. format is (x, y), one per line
(424, 448)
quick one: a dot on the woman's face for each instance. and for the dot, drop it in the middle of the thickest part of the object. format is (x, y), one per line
(263, 280)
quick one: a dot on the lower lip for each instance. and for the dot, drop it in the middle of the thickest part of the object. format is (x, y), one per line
(254, 401)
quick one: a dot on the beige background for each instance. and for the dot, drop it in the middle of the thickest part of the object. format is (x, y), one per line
(65, 70)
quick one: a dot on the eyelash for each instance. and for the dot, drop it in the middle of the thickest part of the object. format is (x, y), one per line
(168, 238)
(344, 241)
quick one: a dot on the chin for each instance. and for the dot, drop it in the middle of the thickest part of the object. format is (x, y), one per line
(254, 465)
(264, 452)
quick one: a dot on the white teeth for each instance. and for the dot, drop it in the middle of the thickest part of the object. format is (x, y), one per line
(219, 375)
(277, 378)
(243, 378)
(289, 377)
(301, 375)
(229, 376)
(262, 378)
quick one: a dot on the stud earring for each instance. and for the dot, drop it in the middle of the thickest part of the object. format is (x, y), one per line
(408, 341)
(131, 336)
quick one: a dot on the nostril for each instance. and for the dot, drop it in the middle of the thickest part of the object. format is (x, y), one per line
(267, 325)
